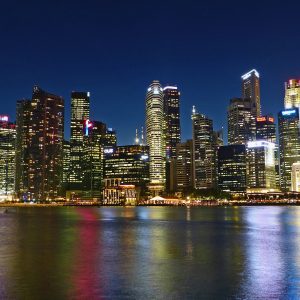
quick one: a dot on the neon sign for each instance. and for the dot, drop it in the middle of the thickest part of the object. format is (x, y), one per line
(3, 118)
(88, 124)
(288, 112)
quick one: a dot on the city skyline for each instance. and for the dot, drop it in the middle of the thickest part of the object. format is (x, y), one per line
(112, 59)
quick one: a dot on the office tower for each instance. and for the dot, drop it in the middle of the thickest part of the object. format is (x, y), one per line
(251, 90)
(289, 144)
(296, 177)
(172, 117)
(109, 139)
(261, 175)
(22, 143)
(80, 112)
(41, 139)
(266, 129)
(129, 163)
(66, 165)
(217, 143)
(92, 160)
(7, 158)
(232, 168)
(292, 93)
(155, 126)
(203, 151)
(184, 166)
(241, 123)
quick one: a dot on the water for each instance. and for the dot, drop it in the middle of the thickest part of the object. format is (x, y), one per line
(150, 253)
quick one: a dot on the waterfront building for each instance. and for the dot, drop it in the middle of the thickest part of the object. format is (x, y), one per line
(296, 177)
(7, 158)
(22, 141)
(40, 123)
(130, 163)
(171, 96)
(203, 151)
(92, 160)
(80, 112)
(184, 166)
(117, 193)
(289, 144)
(155, 126)
(292, 93)
(66, 165)
(232, 168)
(241, 123)
(261, 175)
(251, 90)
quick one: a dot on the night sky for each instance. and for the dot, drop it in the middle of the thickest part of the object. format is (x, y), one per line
(114, 49)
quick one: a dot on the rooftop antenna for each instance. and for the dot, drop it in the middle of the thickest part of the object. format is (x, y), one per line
(193, 110)
(137, 140)
(142, 135)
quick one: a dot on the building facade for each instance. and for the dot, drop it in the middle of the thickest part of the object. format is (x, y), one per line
(203, 151)
(251, 90)
(232, 168)
(80, 112)
(261, 175)
(292, 93)
(296, 177)
(7, 158)
(184, 166)
(41, 134)
(155, 133)
(241, 123)
(289, 144)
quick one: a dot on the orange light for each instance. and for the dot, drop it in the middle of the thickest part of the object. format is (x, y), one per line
(270, 119)
(261, 119)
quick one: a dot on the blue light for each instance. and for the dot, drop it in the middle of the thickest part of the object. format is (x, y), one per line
(288, 112)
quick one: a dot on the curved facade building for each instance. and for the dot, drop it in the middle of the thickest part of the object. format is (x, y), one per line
(155, 127)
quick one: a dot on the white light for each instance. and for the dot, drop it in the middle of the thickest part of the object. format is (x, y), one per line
(155, 91)
(4, 118)
(288, 112)
(169, 87)
(149, 89)
(144, 157)
(111, 150)
(88, 94)
(247, 75)
(256, 144)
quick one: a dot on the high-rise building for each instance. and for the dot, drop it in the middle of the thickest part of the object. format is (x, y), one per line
(184, 166)
(292, 93)
(7, 158)
(66, 165)
(218, 141)
(80, 113)
(203, 151)
(130, 163)
(232, 168)
(261, 175)
(241, 123)
(296, 177)
(172, 118)
(41, 139)
(265, 129)
(92, 160)
(289, 144)
(251, 90)
(155, 126)
(22, 147)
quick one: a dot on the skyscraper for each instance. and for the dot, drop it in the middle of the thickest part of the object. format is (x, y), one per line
(184, 166)
(251, 90)
(22, 147)
(7, 158)
(292, 93)
(80, 112)
(172, 117)
(261, 175)
(296, 177)
(155, 126)
(241, 123)
(232, 168)
(266, 129)
(289, 144)
(41, 140)
(203, 151)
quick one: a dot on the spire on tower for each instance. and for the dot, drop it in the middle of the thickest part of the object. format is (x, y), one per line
(137, 140)
(193, 110)
(142, 135)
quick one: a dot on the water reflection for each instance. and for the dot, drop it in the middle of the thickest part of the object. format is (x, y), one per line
(150, 252)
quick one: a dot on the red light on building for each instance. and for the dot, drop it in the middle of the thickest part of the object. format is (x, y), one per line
(270, 119)
(261, 119)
